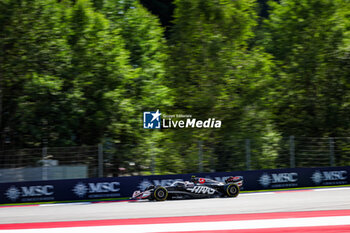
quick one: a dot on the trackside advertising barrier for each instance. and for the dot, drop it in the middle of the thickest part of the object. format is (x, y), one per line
(123, 187)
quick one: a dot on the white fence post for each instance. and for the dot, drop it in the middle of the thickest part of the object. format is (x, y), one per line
(44, 164)
(100, 160)
(331, 152)
(292, 151)
(247, 153)
(200, 156)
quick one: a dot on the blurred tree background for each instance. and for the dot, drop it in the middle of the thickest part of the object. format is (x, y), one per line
(81, 72)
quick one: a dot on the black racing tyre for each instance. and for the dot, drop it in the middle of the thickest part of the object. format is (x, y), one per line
(160, 194)
(232, 190)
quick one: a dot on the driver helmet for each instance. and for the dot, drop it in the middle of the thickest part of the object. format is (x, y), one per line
(193, 179)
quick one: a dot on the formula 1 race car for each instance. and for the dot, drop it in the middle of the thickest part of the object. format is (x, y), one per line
(196, 188)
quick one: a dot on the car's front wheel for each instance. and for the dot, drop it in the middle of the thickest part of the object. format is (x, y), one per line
(160, 193)
(232, 190)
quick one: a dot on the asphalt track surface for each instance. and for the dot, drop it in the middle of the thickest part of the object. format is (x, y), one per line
(267, 202)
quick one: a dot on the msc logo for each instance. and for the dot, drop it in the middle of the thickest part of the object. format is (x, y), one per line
(151, 120)
(319, 177)
(265, 180)
(81, 189)
(13, 193)
(278, 178)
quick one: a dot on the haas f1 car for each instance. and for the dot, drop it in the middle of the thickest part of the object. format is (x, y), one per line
(196, 188)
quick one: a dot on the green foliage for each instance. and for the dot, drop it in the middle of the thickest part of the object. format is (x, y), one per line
(306, 38)
(215, 73)
(33, 44)
(99, 66)
(39, 107)
(144, 89)
(207, 35)
(82, 72)
(310, 94)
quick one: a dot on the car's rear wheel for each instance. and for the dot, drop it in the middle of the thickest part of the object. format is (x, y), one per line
(160, 194)
(232, 190)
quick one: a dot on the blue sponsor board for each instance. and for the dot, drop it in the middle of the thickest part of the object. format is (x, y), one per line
(122, 187)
